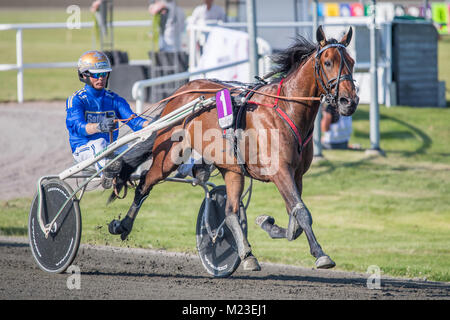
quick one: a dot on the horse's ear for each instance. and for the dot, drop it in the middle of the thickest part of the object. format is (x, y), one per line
(320, 35)
(347, 37)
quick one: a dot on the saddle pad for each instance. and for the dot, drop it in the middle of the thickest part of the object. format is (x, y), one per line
(224, 108)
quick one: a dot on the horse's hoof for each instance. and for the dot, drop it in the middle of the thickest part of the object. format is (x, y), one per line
(260, 220)
(251, 264)
(325, 262)
(122, 227)
(114, 227)
(293, 230)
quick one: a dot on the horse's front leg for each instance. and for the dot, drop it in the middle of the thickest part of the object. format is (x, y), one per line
(300, 214)
(235, 185)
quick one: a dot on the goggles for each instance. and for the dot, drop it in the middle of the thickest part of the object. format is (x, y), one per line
(97, 75)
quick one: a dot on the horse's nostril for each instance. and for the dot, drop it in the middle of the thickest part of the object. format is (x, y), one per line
(344, 101)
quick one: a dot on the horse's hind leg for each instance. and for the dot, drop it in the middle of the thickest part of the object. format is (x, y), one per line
(292, 232)
(124, 226)
(161, 167)
(235, 185)
(267, 223)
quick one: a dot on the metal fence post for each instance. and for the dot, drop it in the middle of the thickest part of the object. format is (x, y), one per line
(374, 106)
(139, 101)
(19, 60)
(317, 130)
(192, 46)
(253, 47)
(390, 99)
(426, 5)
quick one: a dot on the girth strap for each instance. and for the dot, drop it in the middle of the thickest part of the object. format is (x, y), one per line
(238, 125)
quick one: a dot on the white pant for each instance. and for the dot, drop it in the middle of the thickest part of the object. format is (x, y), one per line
(89, 150)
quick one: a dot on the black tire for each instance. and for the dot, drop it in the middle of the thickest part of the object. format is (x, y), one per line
(219, 258)
(57, 252)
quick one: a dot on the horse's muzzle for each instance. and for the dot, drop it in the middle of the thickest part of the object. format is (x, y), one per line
(347, 106)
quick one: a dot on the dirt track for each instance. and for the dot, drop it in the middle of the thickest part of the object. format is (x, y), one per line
(124, 273)
(34, 143)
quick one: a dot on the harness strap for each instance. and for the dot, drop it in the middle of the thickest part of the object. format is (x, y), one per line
(286, 118)
(277, 97)
(291, 125)
(294, 129)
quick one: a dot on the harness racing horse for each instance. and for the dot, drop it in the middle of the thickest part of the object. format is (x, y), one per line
(311, 75)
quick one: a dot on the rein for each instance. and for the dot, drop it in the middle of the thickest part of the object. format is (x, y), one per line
(277, 97)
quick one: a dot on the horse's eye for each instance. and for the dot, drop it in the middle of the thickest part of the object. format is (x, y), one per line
(327, 63)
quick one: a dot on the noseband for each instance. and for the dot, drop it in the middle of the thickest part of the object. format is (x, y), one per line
(333, 83)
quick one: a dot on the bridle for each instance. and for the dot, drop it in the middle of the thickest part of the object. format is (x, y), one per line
(331, 84)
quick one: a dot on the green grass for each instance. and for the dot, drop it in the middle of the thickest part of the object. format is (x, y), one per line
(393, 211)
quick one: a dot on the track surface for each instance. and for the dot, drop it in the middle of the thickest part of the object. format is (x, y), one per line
(40, 147)
(125, 273)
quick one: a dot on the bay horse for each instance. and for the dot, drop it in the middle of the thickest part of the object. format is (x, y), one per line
(311, 74)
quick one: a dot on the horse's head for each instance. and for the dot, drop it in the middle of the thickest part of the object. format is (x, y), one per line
(334, 72)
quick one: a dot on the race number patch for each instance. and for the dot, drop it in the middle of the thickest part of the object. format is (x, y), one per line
(224, 109)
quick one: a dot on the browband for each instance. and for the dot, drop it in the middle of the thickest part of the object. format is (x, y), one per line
(331, 45)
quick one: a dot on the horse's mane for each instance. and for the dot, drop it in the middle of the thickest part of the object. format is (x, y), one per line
(293, 57)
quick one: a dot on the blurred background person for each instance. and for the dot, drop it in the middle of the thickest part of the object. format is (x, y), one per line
(207, 11)
(102, 11)
(168, 25)
(336, 129)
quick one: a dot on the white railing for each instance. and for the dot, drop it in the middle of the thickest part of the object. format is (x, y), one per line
(20, 66)
(139, 86)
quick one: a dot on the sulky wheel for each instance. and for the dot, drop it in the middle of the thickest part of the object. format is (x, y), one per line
(219, 256)
(55, 252)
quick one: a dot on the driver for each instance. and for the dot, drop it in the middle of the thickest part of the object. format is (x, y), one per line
(92, 114)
